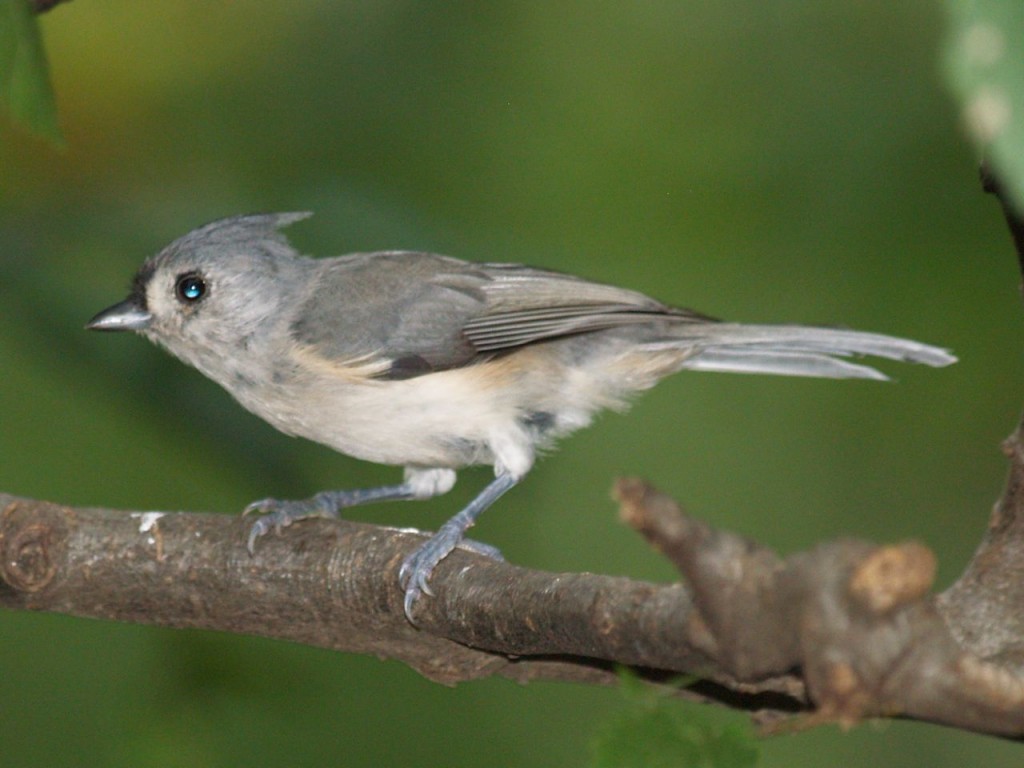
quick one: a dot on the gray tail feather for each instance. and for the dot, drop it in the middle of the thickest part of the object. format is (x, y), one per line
(794, 350)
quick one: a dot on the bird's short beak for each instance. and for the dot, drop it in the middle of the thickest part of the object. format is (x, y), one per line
(126, 316)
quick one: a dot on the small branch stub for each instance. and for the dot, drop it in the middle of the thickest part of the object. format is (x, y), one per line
(27, 541)
(893, 577)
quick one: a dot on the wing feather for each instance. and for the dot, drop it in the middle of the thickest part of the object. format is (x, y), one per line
(426, 313)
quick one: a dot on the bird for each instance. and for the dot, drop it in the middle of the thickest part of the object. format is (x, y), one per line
(434, 364)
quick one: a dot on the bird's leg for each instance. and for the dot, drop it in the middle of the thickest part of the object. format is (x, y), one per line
(418, 566)
(277, 514)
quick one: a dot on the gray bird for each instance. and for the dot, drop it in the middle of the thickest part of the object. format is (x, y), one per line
(433, 363)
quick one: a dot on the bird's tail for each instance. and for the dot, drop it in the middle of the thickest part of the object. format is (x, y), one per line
(794, 350)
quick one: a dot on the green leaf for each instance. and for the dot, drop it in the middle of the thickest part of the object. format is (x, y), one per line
(985, 68)
(25, 90)
(659, 731)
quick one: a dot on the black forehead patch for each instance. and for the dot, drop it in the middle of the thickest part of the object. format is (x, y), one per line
(139, 283)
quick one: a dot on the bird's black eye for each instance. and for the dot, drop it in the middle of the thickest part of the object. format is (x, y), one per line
(190, 287)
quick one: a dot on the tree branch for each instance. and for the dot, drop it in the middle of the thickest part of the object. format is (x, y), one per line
(991, 183)
(844, 631)
(335, 585)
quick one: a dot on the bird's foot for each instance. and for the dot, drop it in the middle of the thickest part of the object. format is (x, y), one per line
(276, 514)
(417, 568)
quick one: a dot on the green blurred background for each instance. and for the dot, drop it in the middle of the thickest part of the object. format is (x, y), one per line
(785, 161)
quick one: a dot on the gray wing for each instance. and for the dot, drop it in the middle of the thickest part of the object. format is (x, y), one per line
(526, 305)
(421, 312)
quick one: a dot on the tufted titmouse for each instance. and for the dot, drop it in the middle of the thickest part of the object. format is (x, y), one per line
(433, 363)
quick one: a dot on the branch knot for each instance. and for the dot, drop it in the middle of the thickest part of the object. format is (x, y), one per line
(27, 540)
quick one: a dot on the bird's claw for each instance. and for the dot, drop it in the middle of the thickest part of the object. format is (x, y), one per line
(277, 514)
(415, 573)
(260, 528)
(416, 570)
(484, 550)
(263, 505)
